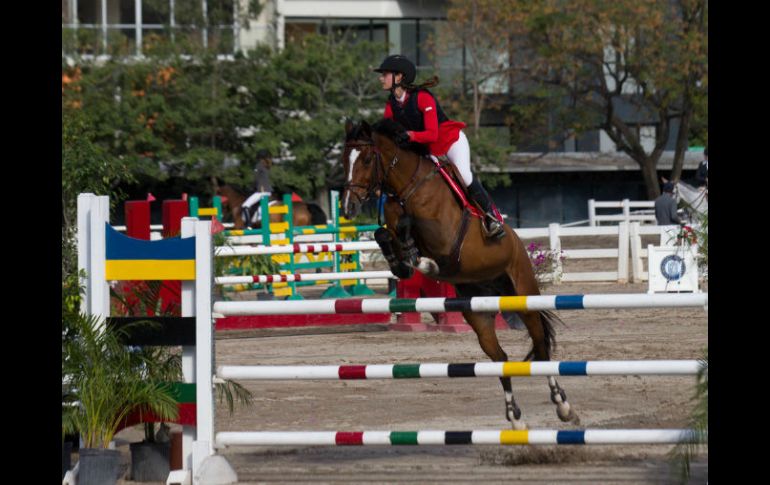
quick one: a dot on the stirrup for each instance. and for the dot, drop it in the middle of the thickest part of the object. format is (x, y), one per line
(492, 227)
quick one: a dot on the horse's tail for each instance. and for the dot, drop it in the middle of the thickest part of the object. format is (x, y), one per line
(547, 318)
(317, 215)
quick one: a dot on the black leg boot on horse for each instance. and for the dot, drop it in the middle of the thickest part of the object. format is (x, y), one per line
(246, 216)
(492, 224)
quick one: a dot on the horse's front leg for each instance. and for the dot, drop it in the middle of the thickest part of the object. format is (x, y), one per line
(389, 247)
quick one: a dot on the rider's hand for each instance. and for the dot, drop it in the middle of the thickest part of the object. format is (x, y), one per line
(403, 138)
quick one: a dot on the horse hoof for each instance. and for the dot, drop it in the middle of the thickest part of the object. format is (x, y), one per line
(565, 413)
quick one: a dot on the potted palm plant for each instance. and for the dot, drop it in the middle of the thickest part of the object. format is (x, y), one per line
(150, 458)
(104, 382)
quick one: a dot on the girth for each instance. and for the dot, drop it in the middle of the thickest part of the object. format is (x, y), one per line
(450, 265)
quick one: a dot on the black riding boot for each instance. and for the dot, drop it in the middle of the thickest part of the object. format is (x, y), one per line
(246, 216)
(479, 194)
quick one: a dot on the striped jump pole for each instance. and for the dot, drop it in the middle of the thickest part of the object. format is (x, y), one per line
(323, 229)
(476, 437)
(481, 369)
(283, 278)
(296, 248)
(475, 304)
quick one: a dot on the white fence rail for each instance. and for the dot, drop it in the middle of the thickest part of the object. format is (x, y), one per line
(629, 252)
(644, 213)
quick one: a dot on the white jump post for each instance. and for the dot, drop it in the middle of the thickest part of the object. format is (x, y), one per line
(623, 252)
(93, 215)
(626, 210)
(555, 244)
(635, 240)
(203, 446)
(591, 212)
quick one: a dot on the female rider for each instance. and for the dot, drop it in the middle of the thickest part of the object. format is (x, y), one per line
(417, 109)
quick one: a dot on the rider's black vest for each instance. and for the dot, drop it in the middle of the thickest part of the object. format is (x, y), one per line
(409, 116)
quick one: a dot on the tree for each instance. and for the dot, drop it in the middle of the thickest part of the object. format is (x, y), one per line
(488, 36)
(610, 56)
(201, 118)
(622, 64)
(323, 80)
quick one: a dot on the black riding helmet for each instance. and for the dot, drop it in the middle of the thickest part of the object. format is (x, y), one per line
(399, 63)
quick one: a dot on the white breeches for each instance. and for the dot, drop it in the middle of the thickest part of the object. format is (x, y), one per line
(252, 201)
(254, 198)
(460, 155)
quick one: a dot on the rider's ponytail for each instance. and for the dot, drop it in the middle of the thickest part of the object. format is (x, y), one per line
(427, 84)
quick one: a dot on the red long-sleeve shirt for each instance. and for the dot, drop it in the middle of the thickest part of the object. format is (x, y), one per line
(438, 137)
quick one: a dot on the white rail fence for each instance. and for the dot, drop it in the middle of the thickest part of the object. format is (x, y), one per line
(629, 251)
(644, 211)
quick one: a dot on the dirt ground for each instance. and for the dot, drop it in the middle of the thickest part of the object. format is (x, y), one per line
(467, 404)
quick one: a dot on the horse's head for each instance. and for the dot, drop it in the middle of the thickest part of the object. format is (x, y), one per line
(360, 162)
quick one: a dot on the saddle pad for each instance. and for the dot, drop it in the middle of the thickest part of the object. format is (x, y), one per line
(455, 183)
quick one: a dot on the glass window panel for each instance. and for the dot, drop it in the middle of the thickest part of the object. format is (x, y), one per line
(296, 31)
(221, 40)
(188, 39)
(89, 11)
(156, 12)
(426, 42)
(81, 41)
(127, 12)
(408, 39)
(220, 12)
(188, 12)
(65, 12)
(351, 30)
(379, 32)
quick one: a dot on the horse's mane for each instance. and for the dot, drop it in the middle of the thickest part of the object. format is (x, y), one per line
(392, 129)
(357, 133)
(241, 189)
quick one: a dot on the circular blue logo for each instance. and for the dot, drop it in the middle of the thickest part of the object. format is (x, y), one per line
(672, 267)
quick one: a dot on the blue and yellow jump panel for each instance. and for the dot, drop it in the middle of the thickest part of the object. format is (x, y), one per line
(137, 259)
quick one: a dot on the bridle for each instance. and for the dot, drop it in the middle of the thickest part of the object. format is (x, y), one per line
(379, 179)
(377, 182)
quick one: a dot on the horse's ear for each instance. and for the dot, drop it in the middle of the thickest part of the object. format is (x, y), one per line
(348, 126)
(366, 129)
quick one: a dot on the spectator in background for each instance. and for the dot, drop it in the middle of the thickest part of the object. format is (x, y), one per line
(665, 207)
(262, 187)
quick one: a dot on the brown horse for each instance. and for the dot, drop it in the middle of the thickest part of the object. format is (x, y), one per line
(305, 214)
(428, 230)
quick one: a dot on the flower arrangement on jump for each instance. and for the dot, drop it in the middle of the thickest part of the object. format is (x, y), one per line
(686, 236)
(546, 263)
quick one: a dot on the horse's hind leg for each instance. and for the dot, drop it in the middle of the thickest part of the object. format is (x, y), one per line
(540, 328)
(541, 332)
(484, 326)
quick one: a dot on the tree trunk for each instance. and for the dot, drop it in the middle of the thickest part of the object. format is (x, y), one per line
(650, 176)
(681, 142)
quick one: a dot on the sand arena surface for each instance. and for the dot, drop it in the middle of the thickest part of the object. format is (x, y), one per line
(466, 404)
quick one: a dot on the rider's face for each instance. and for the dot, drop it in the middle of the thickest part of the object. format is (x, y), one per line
(386, 79)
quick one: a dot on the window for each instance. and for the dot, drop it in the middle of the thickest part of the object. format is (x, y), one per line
(136, 27)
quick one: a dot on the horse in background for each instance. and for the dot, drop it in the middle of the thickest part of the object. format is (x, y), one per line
(305, 214)
(696, 200)
(428, 230)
